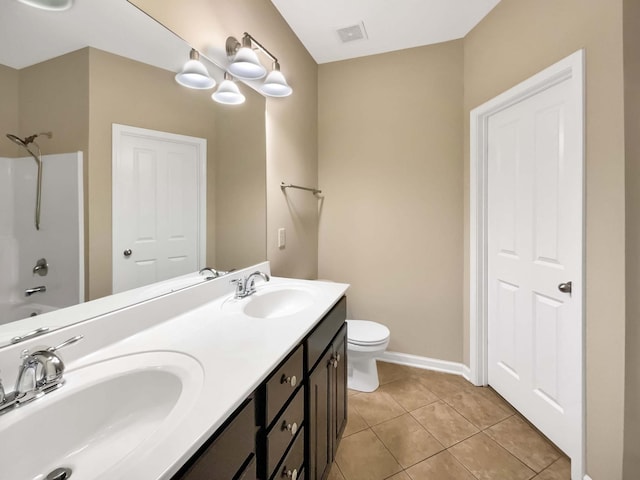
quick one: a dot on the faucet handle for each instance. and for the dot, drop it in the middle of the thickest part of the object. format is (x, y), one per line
(51, 363)
(70, 341)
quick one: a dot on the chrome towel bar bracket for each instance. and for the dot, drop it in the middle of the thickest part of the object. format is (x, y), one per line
(315, 191)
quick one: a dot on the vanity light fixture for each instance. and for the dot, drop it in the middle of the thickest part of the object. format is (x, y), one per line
(275, 85)
(53, 5)
(244, 61)
(228, 92)
(194, 74)
(246, 66)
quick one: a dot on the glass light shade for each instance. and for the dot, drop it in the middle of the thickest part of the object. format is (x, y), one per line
(275, 85)
(56, 5)
(246, 65)
(195, 75)
(228, 93)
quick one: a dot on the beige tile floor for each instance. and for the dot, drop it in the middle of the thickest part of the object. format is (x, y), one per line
(425, 425)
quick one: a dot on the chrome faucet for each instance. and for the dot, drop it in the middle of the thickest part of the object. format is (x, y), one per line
(213, 273)
(30, 291)
(247, 286)
(39, 373)
(41, 268)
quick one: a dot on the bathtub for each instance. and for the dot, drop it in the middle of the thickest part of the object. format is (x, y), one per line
(10, 312)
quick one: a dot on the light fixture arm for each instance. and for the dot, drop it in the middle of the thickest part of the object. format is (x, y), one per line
(233, 45)
(245, 65)
(260, 47)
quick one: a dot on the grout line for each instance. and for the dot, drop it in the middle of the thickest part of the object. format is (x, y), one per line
(481, 430)
(509, 453)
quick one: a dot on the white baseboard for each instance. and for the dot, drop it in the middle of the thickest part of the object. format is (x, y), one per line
(466, 373)
(587, 477)
(426, 363)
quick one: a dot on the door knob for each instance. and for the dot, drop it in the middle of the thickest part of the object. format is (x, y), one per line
(565, 287)
(127, 252)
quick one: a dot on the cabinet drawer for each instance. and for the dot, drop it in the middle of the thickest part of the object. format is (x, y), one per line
(294, 459)
(321, 337)
(250, 472)
(224, 457)
(282, 384)
(280, 437)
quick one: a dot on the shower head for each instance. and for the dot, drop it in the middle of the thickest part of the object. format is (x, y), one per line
(16, 140)
(27, 140)
(24, 143)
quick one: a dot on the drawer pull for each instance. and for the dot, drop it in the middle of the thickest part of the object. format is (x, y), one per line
(291, 427)
(292, 474)
(334, 361)
(292, 380)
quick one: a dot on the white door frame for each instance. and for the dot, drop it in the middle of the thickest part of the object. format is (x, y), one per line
(118, 131)
(570, 69)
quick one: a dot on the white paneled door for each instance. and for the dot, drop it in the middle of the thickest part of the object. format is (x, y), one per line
(534, 258)
(158, 206)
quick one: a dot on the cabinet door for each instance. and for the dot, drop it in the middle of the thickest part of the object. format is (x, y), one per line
(319, 420)
(339, 387)
(223, 456)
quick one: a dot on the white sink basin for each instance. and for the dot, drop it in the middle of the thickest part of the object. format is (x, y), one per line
(278, 303)
(273, 301)
(100, 417)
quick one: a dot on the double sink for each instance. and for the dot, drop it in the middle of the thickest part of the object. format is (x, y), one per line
(109, 412)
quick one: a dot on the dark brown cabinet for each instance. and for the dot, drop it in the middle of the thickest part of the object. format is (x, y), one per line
(229, 453)
(291, 426)
(281, 418)
(327, 393)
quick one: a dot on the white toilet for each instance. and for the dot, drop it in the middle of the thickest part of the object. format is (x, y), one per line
(365, 341)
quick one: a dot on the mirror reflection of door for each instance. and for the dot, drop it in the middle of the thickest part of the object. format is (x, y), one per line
(159, 206)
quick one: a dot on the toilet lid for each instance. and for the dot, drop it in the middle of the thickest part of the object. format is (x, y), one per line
(364, 332)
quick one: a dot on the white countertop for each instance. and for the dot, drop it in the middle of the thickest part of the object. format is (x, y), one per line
(236, 353)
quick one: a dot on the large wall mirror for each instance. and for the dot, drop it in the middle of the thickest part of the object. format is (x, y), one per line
(75, 74)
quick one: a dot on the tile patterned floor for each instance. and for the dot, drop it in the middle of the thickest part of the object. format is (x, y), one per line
(424, 425)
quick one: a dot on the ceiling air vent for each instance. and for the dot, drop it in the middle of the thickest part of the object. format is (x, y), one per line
(352, 33)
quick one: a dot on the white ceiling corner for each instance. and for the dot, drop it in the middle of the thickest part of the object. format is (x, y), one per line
(390, 25)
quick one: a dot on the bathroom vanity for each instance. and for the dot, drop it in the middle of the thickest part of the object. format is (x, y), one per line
(193, 385)
(301, 404)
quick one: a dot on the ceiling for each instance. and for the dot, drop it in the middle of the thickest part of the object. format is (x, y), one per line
(389, 24)
(29, 35)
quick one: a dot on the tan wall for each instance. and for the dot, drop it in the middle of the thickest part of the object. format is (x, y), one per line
(291, 123)
(390, 166)
(517, 39)
(240, 197)
(9, 80)
(54, 97)
(131, 93)
(632, 157)
(80, 95)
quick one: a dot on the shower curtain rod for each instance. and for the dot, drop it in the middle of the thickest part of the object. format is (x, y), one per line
(315, 191)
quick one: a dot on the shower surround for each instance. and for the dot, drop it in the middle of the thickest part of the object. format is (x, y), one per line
(60, 239)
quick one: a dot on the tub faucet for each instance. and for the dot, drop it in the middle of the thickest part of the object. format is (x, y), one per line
(41, 268)
(30, 291)
(247, 286)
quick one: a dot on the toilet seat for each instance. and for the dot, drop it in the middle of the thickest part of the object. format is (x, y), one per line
(366, 333)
